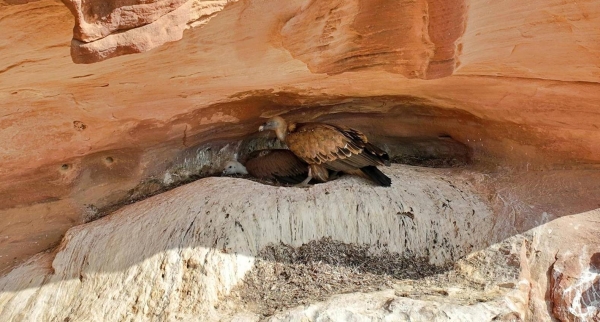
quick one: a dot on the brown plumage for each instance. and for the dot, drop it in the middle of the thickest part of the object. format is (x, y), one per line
(331, 146)
(278, 165)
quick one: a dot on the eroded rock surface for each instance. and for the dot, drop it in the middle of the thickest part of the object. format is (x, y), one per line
(177, 254)
(576, 286)
(483, 286)
(109, 29)
(191, 254)
(512, 84)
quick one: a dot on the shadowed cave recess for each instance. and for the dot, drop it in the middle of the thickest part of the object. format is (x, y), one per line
(415, 133)
(412, 130)
(429, 146)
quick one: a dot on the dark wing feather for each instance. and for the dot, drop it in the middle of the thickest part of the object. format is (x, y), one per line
(338, 148)
(254, 155)
(277, 164)
(378, 153)
(369, 148)
(376, 175)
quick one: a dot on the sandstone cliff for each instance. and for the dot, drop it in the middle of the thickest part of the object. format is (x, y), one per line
(107, 102)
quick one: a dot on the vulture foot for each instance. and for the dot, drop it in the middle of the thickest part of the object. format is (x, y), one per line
(304, 184)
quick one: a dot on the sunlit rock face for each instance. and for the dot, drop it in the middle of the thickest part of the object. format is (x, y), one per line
(106, 103)
(108, 29)
(183, 254)
(220, 249)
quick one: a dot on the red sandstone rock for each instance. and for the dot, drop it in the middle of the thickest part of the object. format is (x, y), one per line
(98, 19)
(565, 283)
(516, 82)
(106, 29)
(168, 27)
(575, 286)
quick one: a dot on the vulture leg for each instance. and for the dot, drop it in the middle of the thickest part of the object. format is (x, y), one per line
(319, 172)
(304, 184)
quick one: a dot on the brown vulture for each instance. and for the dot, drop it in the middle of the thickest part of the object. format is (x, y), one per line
(333, 147)
(279, 165)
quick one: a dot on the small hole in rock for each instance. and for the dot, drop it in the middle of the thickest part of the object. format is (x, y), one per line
(109, 160)
(65, 167)
(79, 126)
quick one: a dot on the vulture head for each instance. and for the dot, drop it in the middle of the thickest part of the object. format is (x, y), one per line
(234, 167)
(276, 124)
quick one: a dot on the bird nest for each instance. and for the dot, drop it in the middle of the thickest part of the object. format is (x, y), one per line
(285, 277)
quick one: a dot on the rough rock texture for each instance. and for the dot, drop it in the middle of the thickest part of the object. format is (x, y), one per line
(386, 306)
(484, 285)
(572, 279)
(576, 286)
(175, 255)
(186, 254)
(509, 87)
(108, 29)
(534, 108)
(95, 20)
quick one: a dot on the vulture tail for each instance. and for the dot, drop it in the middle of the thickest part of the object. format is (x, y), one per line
(381, 154)
(377, 176)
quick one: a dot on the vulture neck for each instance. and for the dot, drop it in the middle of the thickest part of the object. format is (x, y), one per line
(242, 170)
(281, 132)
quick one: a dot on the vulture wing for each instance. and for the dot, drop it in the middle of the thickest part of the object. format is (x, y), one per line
(277, 164)
(336, 147)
